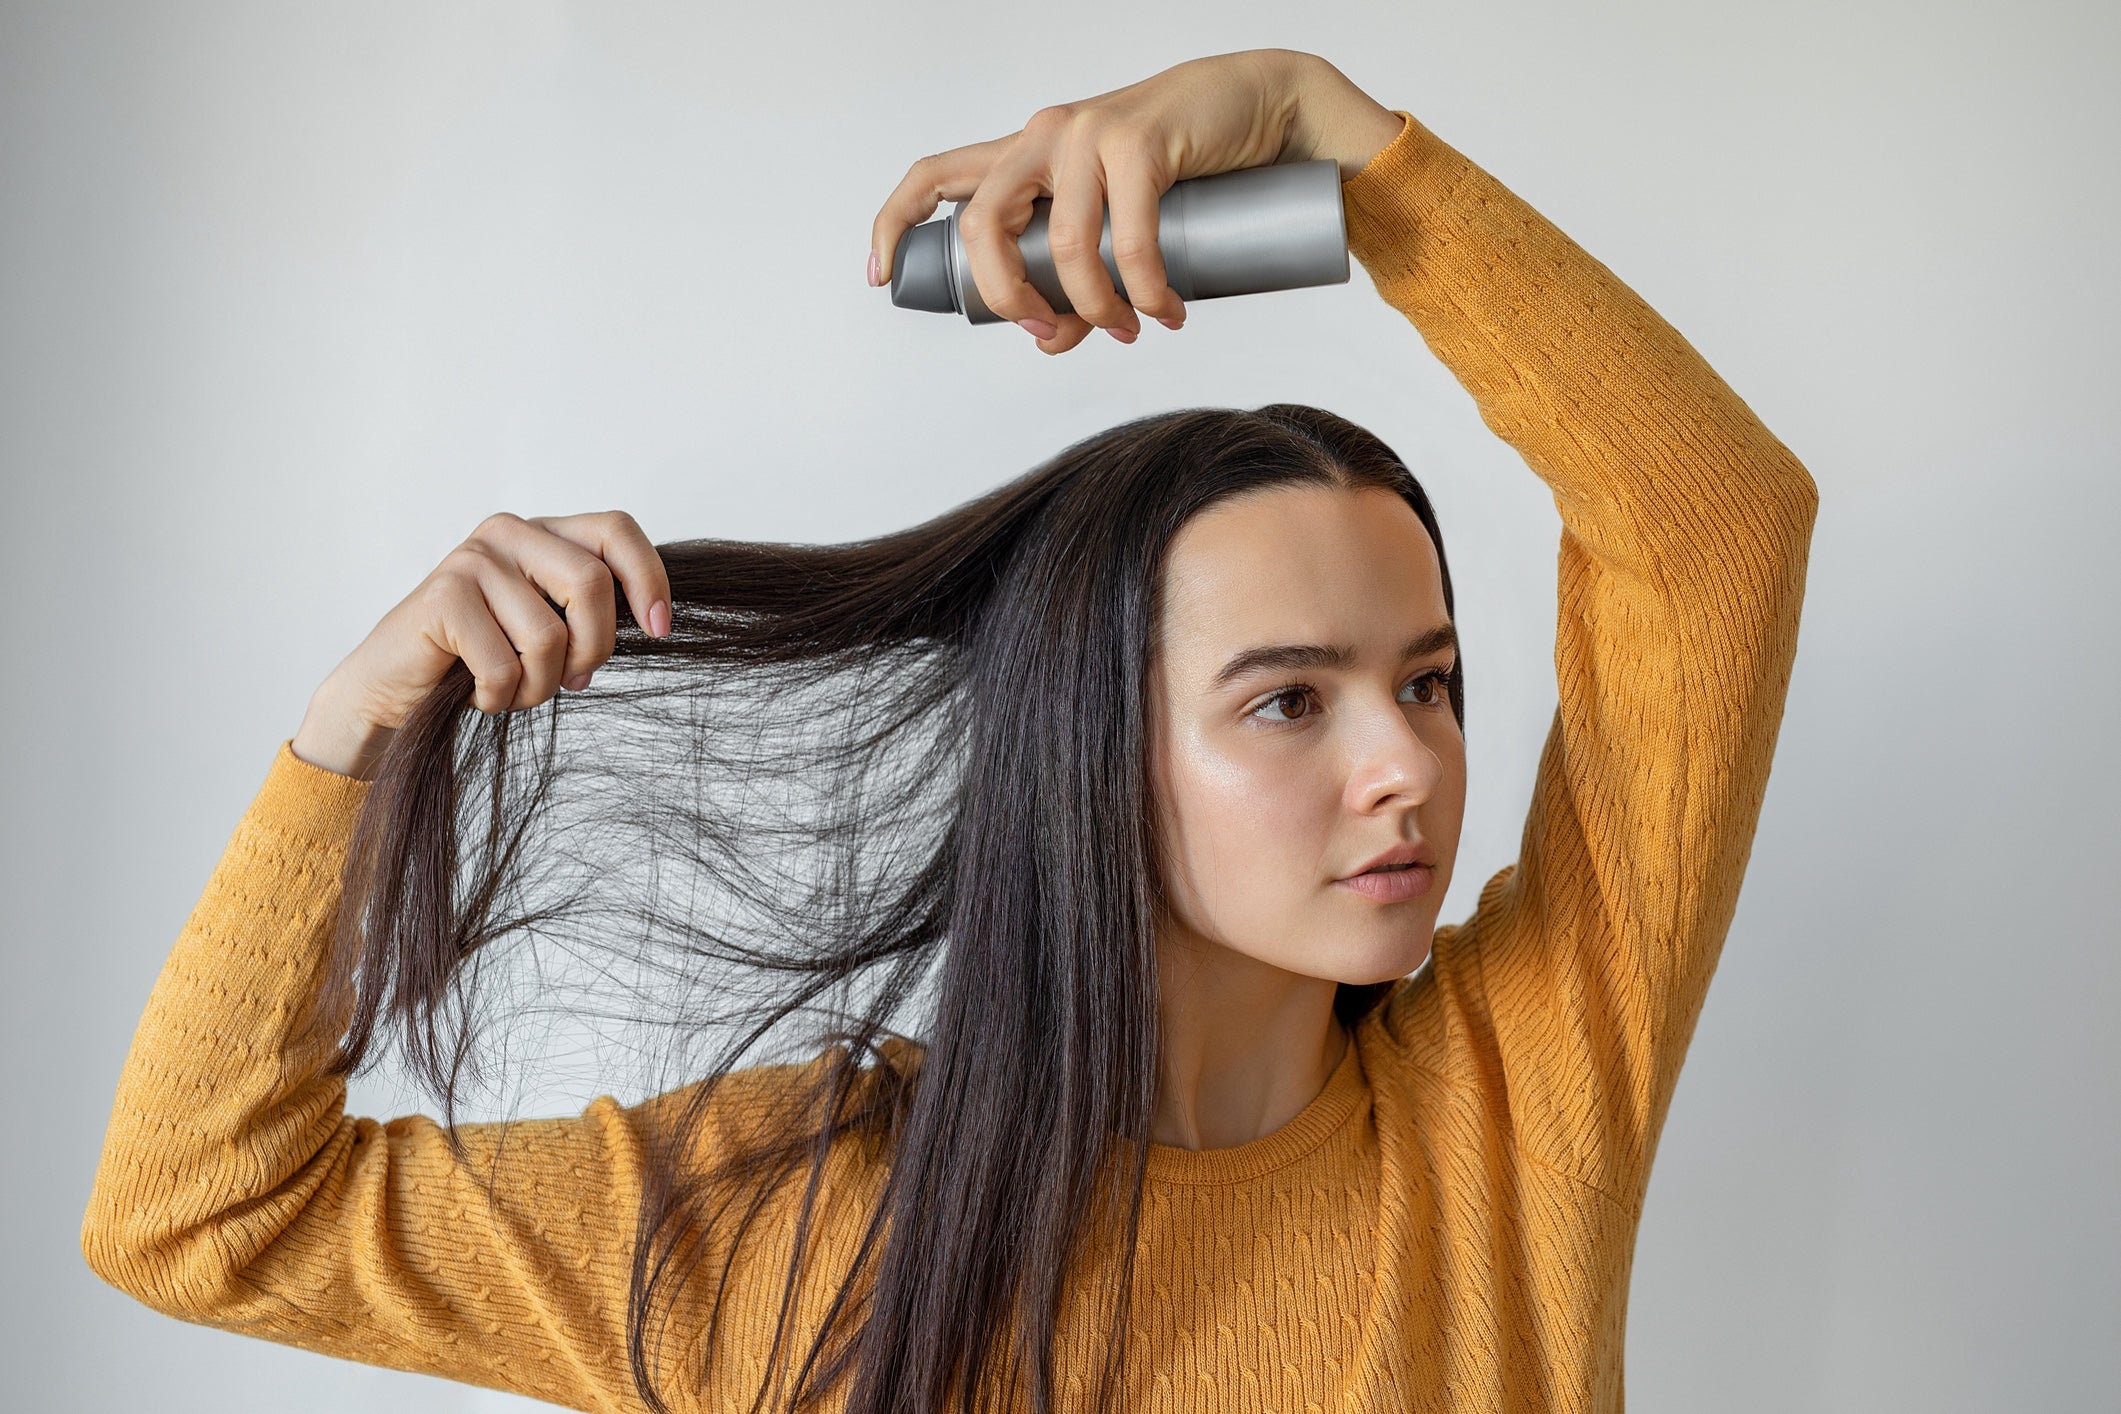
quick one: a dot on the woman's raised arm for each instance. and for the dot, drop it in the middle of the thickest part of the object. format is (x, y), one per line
(1685, 530)
(235, 1191)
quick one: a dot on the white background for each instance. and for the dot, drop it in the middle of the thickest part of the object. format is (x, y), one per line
(291, 296)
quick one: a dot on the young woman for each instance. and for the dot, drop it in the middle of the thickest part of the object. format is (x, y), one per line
(1138, 784)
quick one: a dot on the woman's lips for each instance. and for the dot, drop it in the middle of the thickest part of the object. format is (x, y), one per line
(1391, 885)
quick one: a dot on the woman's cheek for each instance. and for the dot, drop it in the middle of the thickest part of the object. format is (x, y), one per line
(1262, 826)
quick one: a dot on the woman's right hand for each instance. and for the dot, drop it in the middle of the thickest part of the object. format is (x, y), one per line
(486, 604)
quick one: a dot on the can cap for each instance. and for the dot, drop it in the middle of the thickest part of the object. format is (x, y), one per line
(920, 270)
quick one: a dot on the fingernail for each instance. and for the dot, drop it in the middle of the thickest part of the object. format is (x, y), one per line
(659, 619)
(577, 682)
(876, 276)
(1039, 328)
(1172, 323)
(1125, 336)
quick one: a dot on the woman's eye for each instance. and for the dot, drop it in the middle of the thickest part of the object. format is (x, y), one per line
(1431, 689)
(1299, 695)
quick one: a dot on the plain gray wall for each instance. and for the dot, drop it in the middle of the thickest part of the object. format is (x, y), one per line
(291, 296)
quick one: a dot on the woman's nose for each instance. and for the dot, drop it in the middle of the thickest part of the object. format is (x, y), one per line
(1391, 764)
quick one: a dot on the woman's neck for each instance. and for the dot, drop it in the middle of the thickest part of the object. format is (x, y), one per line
(1246, 1045)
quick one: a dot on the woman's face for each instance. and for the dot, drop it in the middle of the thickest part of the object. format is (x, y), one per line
(1301, 728)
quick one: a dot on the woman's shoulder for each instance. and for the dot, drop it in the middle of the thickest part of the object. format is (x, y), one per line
(792, 1098)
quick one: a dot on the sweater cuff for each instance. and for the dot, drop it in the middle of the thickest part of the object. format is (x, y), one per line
(307, 801)
(1394, 200)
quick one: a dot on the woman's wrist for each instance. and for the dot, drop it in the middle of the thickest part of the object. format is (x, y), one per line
(1333, 118)
(337, 739)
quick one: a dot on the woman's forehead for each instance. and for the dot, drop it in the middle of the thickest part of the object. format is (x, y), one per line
(1299, 564)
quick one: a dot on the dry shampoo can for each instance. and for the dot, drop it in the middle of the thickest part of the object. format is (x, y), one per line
(1234, 233)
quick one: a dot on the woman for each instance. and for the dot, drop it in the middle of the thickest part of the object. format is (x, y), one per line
(1176, 720)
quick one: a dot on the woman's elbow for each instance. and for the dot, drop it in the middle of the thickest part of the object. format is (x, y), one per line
(1802, 497)
(177, 1273)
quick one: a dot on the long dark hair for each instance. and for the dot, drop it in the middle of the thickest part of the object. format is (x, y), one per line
(910, 771)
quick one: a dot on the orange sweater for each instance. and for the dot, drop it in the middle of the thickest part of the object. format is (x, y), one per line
(1450, 1224)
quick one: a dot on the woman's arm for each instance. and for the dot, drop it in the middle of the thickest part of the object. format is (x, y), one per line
(234, 1190)
(1685, 529)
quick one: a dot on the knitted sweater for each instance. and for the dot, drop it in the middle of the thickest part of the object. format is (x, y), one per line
(1449, 1224)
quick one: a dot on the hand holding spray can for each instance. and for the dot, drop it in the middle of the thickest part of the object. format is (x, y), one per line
(1234, 233)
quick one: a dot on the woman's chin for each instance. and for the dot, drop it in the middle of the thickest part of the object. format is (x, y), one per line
(1383, 958)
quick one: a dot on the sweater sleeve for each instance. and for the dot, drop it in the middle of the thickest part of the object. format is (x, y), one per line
(1571, 994)
(235, 1192)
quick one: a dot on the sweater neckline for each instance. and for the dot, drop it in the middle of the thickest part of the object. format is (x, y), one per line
(1316, 1122)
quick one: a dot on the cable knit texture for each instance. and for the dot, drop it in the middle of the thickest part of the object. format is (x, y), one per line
(1448, 1226)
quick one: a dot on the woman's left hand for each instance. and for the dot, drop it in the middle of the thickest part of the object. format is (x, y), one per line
(1126, 148)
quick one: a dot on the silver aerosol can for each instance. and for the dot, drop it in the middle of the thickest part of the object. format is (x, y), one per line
(1235, 233)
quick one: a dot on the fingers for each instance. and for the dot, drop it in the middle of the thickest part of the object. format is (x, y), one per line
(545, 647)
(989, 225)
(1072, 331)
(1085, 165)
(615, 538)
(523, 571)
(461, 620)
(1074, 233)
(945, 176)
(1134, 189)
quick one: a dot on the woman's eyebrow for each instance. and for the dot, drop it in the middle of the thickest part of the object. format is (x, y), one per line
(1290, 657)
